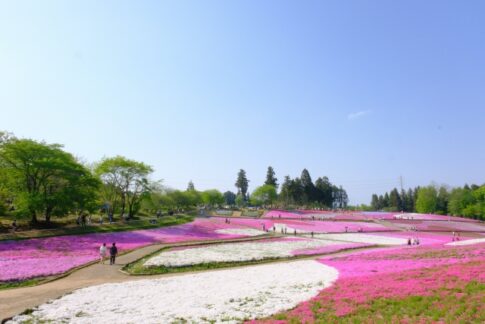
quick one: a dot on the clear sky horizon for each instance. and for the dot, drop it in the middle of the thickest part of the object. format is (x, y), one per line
(360, 91)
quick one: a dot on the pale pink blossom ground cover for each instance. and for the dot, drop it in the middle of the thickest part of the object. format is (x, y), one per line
(444, 226)
(314, 214)
(31, 258)
(357, 215)
(330, 249)
(424, 237)
(393, 274)
(311, 226)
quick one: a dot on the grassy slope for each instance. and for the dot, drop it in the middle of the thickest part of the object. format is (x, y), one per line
(166, 221)
(105, 228)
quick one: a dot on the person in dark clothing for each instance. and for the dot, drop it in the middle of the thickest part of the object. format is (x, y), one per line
(113, 251)
(14, 225)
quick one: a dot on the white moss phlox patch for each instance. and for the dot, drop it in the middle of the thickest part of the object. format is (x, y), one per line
(467, 242)
(240, 231)
(364, 238)
(234, 252)
(228, 296)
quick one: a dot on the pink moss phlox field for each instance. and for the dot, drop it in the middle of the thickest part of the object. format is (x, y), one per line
(359, 216)
(424, 238)
(443, 226)
(312, 226)
(31, 258)
(391, 273)
(330, 249)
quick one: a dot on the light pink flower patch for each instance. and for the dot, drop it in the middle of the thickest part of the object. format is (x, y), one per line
(330, 249)
(310, 226)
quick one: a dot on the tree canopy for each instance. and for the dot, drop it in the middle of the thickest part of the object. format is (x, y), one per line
(242, 184)
(264, 195)
(271, 179)
(45, 179)
(125, 183)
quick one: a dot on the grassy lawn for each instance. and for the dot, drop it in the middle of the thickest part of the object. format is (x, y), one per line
(63, 229)
(252, 213)
(19, 284)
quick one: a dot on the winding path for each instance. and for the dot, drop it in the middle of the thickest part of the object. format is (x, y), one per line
(16, 301)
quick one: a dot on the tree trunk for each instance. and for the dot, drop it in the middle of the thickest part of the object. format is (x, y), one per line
(33, 217)
(123, 206)
(47, 214)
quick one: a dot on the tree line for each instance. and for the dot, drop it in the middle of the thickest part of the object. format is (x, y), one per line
(467, 201)
(298, 192)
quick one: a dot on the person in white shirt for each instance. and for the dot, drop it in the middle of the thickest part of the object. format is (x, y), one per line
(102, 253)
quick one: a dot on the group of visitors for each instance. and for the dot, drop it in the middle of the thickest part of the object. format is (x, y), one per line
(456, 237)
(227, 221)
(83, 220)
(103, 251)
(413, 241)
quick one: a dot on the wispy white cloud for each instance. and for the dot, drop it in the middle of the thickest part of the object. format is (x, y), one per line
(358, 114)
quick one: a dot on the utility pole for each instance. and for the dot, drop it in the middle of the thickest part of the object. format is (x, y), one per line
(402, 191)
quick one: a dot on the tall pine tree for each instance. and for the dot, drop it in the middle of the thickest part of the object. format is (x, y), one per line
(271, 178)
(242, 184)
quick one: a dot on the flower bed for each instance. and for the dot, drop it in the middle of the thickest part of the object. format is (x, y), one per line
(306, 226)
(440, 226)
(240, 231)
(467, 242)
(358, 216)
(364, 238)
(241, 252)
(390, 285)
(228, 296)
(24, 259)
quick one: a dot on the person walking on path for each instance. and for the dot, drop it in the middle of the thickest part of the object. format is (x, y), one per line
(102, 253)
(113, 251)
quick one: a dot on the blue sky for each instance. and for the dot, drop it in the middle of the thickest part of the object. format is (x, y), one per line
(359, 91)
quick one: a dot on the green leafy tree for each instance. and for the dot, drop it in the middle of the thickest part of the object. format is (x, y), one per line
(271, 179)
(442, 200)
(212, 197)
(179, 199)
(323, 188)
(264, 195)
(240, 200)
(229, 198)
(125, 183)
(427, 200)
(476, 207)
(45, 178)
